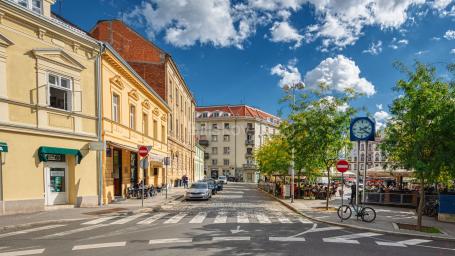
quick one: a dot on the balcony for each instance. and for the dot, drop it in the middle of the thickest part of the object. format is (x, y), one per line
(249, 142)
(249, 166)
(204, 143)
(249, 154)
(249, 130)
(206, 156)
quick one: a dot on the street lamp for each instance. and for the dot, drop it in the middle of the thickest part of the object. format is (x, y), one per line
(297, 85)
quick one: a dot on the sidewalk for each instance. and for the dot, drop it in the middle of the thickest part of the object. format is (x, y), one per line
(386, 217)
(65, 214)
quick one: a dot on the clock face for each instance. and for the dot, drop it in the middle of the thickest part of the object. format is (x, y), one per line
(362, 129)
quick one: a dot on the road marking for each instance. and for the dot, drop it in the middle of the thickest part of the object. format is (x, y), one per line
(26, 252)
(238, 230)
(29, 230)
(232, 192)
(175, 218)
(284, 219)
(73, 231)
(230, 196)
(199, 218)
(95, 246)
(153, 218)
(404, 243)
(262, 218)
(231, 238)
(171, 240)
(287, 239)
(99, 220)
(221, 218)
(242, 217)
(347, 239)
(128, 219)
(305, 221)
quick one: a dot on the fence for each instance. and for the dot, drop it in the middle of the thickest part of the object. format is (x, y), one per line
(401, 199)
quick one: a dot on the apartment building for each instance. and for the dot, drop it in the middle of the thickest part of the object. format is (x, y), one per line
(372, 154)
(48, 116)
(230, 134)
(160, 71)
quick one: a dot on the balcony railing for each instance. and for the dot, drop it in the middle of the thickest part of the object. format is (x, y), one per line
(249, 130)
(204, 142)
(249, 142)
(249, 154)
(249, 166)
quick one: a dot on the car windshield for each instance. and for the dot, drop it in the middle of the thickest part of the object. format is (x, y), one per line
(199, 185)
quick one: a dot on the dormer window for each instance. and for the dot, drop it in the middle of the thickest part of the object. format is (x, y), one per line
(34, 5)
(205, 114)
(216, 114)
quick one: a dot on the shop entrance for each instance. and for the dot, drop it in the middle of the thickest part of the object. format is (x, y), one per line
(117, 172)
(56, 182)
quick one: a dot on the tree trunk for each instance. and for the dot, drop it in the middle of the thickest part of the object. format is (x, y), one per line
(298, 186)
(421, 204)
(328, 189)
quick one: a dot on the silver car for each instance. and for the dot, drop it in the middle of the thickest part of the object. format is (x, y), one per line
(199, 190)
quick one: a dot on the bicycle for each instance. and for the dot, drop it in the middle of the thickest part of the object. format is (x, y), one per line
(367, 214)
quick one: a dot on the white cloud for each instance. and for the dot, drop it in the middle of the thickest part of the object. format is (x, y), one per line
(274, 5)
(381, 117)
(338, 74)
(450, 35)
(441, 4)
(284, 32)
(421, 52)
(379, 106)
(375, 48)
(289, 74)
(452, 51)
(395, 44)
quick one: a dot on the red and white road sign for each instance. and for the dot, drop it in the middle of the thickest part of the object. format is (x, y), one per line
(342, 165)
(143, 151)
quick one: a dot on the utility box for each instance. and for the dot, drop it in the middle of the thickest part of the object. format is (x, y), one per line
(446, 208)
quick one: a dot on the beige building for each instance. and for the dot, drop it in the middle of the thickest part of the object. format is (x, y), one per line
(133, 115)
(48, 112)
(199, 163)
(230, 135)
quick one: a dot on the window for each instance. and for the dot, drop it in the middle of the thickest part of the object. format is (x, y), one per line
(176, 97)
(202, 126)
(376, 157)
(362, 157)
(60, 92)
(170, 122)
(226, 161)
(226, 125)
(249, 151)
(226, 138)
(205, 114)
(214, 137)
(132, 117)
(354, 167)
(163, 133)
(214, 161)
(216, 114)
(226, 150)
(155, 129)
(34, 5)
(362, 147)
(145, 124)
(214, 150)
(177, 127)
(214, 126)
(369, 147)
(361, 166)
(115, 108)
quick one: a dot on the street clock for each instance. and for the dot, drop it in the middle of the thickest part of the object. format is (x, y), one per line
(362, 129)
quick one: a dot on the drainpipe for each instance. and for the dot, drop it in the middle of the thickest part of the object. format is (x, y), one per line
(99, 153)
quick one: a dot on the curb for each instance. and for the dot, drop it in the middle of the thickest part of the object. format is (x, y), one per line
(290, 207)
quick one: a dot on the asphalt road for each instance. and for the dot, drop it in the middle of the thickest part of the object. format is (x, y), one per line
(238, 221)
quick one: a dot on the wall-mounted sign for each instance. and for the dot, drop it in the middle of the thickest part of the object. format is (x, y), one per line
(55, 158)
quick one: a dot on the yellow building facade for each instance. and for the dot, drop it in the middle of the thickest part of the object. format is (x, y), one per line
(133, 115)
(48, 117)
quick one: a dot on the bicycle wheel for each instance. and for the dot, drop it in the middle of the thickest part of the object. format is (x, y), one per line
(368, 214)
(344, 212)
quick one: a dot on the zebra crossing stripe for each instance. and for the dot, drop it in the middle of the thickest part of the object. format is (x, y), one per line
(287, 239)
(171, 240)
(231, 238)
(98, 220)
(176, 218)
(221, 218)
(128, 219)
(153, 218)
(20, 253)
(26, 231)
(242, 217)
(262, 218)
(283, 219)
(73, 231)
(95, 246)
(199, 218)
(404, 243)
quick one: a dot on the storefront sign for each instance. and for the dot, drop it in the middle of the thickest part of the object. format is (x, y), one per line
(57, 173)
(55, 158)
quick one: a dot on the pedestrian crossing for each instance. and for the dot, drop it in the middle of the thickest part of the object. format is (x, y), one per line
(202, 217)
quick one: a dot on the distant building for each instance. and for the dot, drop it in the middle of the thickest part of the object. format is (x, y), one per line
(230, 134)
(373, 155)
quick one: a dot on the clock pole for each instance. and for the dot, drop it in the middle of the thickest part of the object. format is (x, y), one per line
(357, 175)
(365, 173)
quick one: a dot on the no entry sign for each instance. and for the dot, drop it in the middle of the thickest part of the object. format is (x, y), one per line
(143, 151)
(342, 165)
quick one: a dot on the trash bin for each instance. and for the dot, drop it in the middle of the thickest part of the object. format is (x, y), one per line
(446, 208)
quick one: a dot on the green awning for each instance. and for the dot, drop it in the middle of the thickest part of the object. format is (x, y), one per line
(3, 147)
(42, 151)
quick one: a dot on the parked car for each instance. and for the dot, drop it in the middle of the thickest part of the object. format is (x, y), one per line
(223, 179)
(219, 185)
(199, 190)
(212, 185)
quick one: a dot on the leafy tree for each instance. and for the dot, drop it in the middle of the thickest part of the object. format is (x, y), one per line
(273, 156)
(420, 135)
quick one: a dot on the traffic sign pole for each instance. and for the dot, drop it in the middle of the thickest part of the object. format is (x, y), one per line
(342, 166)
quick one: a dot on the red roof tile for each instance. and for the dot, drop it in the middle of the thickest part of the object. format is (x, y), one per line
(240, 110)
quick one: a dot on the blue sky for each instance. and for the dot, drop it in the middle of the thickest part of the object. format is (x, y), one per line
(240, 51)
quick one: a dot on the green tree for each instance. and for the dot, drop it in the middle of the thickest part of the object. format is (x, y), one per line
(421, 129)
(273, 156)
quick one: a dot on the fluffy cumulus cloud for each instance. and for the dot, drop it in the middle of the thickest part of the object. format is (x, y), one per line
(289, 74)
(284, 32)
(338, 74)
(452, 51)
(398, 43)
(381, 117)
(375, 48)
(450, 35)
(441, 4)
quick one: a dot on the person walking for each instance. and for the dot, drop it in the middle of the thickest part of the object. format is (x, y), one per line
(353, 193)
(185, 181)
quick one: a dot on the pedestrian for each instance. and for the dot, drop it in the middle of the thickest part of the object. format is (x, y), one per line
(185, 181)
(353, 193)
